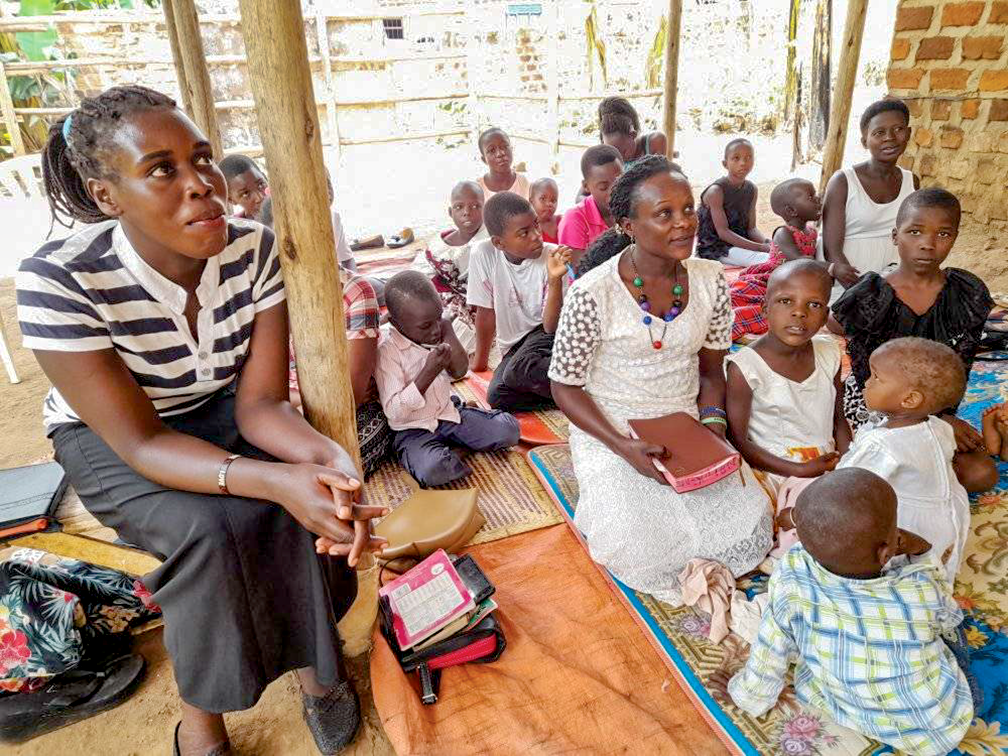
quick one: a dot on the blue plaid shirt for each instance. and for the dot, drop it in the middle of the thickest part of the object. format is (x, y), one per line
(868, 653)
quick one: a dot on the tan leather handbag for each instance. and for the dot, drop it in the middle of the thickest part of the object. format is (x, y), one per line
(430, 520)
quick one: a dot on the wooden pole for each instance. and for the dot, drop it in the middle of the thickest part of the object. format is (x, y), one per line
(288, 121)
(822, 39)
(197, 77)
(672, 73)
(553, 87)
(9, 116)
(176, 53)
(850, 54)
(322, 36)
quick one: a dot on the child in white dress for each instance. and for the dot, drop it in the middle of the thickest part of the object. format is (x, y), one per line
(911, 449)
(785, 410)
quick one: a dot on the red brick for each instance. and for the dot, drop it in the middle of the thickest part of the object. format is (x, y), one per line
(999, 13)
(986, 172)
(981, 48)
(961, 14)
(909, 19)
(953, 79)
(923, 136)
(900, 48)
(935, 48)
(998, 110)
(941, 110)
(969, 109)
(950, 137)
(905, 161)
(905, 78)
(927, 165)
(915, 106)
(994, 79)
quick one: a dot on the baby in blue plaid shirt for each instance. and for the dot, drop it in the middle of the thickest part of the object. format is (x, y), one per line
(863, 629)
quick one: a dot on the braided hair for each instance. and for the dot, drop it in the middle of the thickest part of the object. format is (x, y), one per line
(79, 146)
(617, 116)
(623, 202)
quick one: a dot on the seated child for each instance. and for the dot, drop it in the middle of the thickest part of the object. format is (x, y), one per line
(866, 636)
(344, 255)
(911, 379)
(726, 218)
(601, 165)
(246, 183)
(517, 285)
(495, 152)
(544, 196)
(620, 127)
(446, 260)
(414, 354)
(796, 202)
(920, 298)
(784, 406)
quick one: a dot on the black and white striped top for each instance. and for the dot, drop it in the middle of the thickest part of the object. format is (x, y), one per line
(93, 291)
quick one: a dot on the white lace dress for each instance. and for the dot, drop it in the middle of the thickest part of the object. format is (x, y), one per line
(644, 532)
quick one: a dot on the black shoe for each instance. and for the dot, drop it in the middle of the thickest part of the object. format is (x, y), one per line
(68, 698)
(334, 718)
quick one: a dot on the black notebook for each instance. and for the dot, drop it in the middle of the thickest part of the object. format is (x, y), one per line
(29, 497)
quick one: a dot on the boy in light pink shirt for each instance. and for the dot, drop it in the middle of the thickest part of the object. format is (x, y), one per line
(416, 356)
(601, 165)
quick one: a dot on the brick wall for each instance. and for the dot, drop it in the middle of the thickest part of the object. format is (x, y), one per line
(950, 64)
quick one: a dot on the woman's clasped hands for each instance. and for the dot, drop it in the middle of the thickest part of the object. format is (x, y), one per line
(329, 503)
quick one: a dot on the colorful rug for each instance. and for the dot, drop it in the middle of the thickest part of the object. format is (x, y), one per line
(548, 426)
(510, 496)
(680, 634)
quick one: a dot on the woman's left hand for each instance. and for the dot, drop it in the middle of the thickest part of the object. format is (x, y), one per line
(967, 438)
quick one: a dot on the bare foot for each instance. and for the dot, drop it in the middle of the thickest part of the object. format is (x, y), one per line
(202, 732)
(988, 425)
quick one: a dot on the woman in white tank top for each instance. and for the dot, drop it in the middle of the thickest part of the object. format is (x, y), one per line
(858, 221)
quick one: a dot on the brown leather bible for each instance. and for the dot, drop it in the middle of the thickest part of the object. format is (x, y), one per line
(695, 456)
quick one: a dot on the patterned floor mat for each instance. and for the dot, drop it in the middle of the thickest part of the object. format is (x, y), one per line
(680, 634)
(510, 496)
(548, 426)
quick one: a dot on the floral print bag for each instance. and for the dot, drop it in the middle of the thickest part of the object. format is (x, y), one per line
(54, 612)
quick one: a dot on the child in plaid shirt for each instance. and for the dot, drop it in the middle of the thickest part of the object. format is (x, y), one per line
(866, 635)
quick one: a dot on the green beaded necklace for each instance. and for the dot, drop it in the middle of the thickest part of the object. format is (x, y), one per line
(642, 301)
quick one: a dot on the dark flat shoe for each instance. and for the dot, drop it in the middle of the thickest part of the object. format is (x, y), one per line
(71, 697)
(220, 750)
(372, 242)
(334, 718)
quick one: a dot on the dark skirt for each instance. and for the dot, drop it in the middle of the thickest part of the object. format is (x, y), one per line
(244, 595)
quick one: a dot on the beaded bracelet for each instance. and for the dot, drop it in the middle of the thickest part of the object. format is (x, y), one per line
(715, 421)
(712, 411)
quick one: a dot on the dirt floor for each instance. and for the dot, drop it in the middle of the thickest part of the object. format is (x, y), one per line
(144, 724)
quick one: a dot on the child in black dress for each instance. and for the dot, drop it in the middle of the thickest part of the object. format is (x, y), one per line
(920, 298)
(726, 229)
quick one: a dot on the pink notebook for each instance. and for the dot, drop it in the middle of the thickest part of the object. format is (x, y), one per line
(696, 457)
(425, 599)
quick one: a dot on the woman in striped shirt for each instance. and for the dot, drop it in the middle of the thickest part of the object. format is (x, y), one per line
(163, 329)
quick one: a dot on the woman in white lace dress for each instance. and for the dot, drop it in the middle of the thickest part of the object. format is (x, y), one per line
(641, 336)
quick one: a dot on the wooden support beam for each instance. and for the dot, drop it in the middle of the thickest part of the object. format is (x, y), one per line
(322, 36)
(197, 77)
(672, 44)
(176, 51)
(553, 26)
(288, 121)
(9, 116)
(843, 91)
